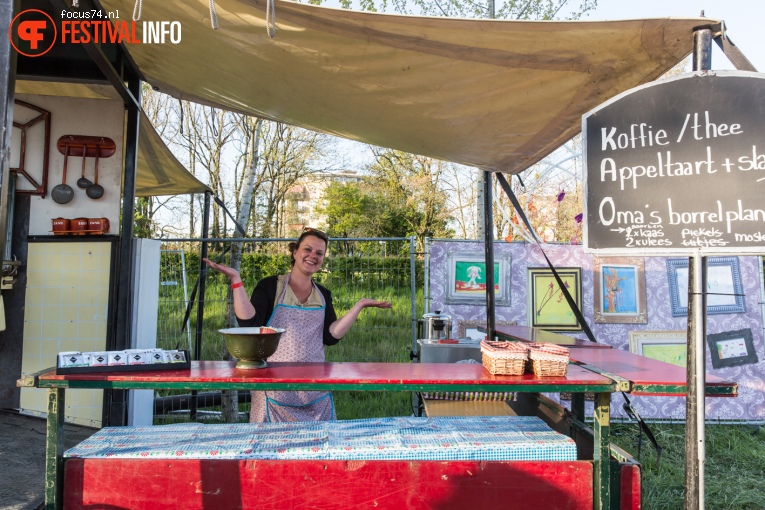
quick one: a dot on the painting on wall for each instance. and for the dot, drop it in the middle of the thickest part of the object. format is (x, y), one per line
(732, 348)
(666, 346)
(725, 293)
(467, 278)
(620, 290)
(548, 307)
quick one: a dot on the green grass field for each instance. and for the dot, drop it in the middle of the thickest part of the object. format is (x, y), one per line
(734, 467)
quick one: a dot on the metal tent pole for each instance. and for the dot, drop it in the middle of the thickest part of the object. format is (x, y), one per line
(488, 238)
(7, 86)
(116, 401)
(201, 300)
(696, 359)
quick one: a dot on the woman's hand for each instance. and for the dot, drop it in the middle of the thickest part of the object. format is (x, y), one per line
(231, 274)
(242, 306)
(371, 303)
(340, 327)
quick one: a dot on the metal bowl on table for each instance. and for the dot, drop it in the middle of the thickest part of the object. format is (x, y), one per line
(251, 346)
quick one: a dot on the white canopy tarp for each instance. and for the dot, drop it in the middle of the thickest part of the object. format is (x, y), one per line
(494, 94)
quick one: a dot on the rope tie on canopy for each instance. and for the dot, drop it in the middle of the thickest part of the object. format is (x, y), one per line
(735, 55)
(213, 15)
(137, 10)
(270, 18)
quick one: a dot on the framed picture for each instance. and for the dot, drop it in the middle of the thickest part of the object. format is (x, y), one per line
(469, 329)
(547, 305)
(620, 290)
(666, 346)
(467, 278)
(725, 293)
(732, 348)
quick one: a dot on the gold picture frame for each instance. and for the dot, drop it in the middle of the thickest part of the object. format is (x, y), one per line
(669, 346)
(548, 307)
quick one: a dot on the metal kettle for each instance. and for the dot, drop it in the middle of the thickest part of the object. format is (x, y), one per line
(435, 326)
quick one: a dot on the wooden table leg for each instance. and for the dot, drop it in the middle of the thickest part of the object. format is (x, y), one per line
(602, 452)
(54, 450)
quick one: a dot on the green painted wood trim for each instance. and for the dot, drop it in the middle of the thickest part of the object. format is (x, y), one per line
(577, 406)
(602, 452)
(541, 388)
(54, 450)
(680, 389)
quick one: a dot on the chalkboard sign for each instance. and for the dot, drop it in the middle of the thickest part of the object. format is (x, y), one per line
(677, 166)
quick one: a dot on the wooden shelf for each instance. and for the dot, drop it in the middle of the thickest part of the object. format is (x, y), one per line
(78, 232)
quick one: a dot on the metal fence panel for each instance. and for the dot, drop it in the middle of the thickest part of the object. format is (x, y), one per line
(383, 269)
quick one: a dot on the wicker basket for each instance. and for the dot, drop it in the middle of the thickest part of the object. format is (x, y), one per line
(504, 358)
(548, 359)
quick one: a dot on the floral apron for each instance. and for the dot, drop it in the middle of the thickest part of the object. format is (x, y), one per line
(301, 341)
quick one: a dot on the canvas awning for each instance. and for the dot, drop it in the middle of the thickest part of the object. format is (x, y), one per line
(158, 171)
(494, 94)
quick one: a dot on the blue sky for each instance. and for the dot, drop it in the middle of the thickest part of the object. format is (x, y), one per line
(742, 18)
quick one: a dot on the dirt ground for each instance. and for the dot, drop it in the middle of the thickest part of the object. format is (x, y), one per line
(22, 457)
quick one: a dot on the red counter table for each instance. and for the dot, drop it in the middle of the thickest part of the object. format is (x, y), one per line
(589, 478)
(208, 375)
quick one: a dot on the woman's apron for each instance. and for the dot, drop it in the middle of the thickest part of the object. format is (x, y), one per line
(301, 341)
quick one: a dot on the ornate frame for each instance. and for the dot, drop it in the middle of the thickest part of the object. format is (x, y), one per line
(631, 271)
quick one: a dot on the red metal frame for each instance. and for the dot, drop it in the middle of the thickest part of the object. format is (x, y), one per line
(41, 188)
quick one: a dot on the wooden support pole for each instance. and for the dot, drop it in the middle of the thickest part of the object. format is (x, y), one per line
(602, 452)
(54, 450)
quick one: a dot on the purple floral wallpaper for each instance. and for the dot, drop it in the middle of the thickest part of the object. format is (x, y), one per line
(748, 406)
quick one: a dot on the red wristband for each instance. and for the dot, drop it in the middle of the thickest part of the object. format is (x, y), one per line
(237, 285)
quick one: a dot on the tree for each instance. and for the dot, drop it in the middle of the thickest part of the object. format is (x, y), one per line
(411, 183)
(511, 9)
(346, 210)
(550, 193)
(289, 155)
(460, 185)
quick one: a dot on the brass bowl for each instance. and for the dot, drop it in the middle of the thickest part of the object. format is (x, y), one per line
(250, 346)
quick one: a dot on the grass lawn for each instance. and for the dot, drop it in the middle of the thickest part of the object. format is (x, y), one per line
(734, 468)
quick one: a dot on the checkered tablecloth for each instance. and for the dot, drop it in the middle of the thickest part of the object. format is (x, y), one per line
(440, 438)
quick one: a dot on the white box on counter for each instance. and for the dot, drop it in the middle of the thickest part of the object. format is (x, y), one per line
(117, 358)
(73, 359)
(99, 359)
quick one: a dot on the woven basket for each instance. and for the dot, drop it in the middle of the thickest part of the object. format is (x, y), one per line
(504, 358)
(548, 359)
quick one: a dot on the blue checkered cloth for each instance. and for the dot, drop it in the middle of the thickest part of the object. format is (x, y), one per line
(401, 438)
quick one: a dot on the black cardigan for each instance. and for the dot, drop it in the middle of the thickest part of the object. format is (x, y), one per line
(263, 300)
